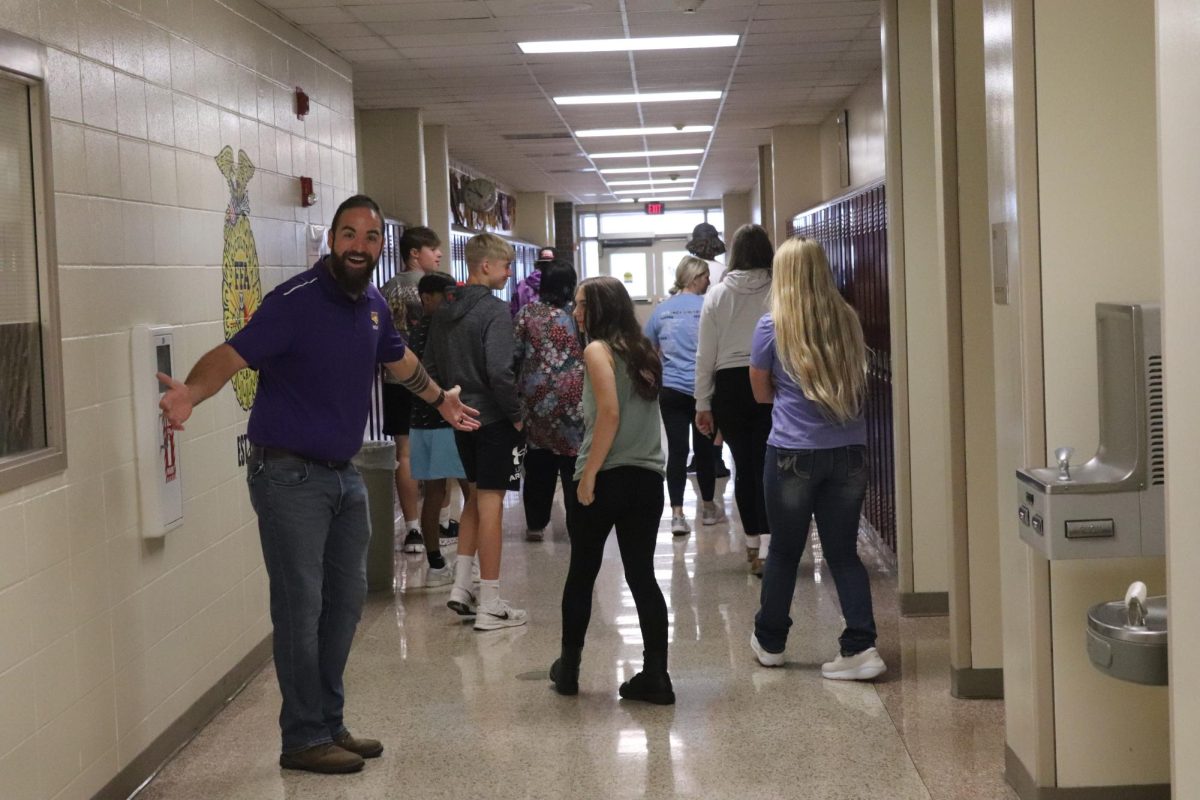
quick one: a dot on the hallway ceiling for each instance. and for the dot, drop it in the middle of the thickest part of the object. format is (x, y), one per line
(458, 61)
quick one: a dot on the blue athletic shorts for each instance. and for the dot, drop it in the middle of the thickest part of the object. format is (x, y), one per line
(433, 454)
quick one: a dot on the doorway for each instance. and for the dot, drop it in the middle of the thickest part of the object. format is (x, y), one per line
(646, 267)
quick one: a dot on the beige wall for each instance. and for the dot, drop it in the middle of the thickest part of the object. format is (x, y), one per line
(391, 146)
(535, 218)
(104, 638)
(1055, 69)
(1098, 202)
(735, 206)
(795, 174)
(437, 185)
(867, 137)
(1179, 170)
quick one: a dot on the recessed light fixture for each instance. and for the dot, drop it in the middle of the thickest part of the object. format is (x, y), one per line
(635, 170)
(635, 97)
(596, 132)
(662, 181)
(655, 199)
(640, 192)
(618, 45)
(687, 151)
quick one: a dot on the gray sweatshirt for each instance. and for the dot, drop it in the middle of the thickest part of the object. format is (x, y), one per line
(471, 345)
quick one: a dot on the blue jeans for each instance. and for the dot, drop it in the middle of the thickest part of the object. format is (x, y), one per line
(829, 485)
(314, 528)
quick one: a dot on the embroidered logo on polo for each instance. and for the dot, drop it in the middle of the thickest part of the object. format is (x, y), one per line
(375, 320)
(241, 289)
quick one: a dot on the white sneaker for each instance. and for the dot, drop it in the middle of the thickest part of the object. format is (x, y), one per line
(764, 658)
(499, 615)
(439, 576)
(679, 525)
(461, 602)
(712, 513)
(859, 667)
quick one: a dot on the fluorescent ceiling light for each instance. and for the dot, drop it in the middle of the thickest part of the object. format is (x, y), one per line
(594, 132)
(635, 97)
(663, 181)
(655, 199)
(635, 170)
(640, 192)
(618, 45)
(687, 151)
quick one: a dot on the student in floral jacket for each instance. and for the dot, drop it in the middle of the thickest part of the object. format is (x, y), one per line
(549, 367)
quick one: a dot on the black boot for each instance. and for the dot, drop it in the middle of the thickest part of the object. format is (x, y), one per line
(565, 670)
(652, 684)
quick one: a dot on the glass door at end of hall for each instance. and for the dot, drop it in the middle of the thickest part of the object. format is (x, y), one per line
(647, 271)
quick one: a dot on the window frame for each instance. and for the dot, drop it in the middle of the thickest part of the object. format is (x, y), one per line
(24, 60)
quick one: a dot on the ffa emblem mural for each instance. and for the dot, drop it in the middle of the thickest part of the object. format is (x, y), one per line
(241, 290)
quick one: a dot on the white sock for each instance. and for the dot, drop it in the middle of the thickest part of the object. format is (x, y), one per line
(462, 572)
(765, 544)
(412, 524)
(752, 541)
(489, 592)
(444, 516)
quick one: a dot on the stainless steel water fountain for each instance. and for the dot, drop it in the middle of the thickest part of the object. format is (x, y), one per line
(1111, 505)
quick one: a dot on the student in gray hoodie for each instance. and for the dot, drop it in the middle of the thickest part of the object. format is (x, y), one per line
(471, 338)
(724, 400)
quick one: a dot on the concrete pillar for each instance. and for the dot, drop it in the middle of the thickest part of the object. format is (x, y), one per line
(960, 148)
(766, 191)
(392, 161)
(736, 208)
(795, 174)
(922, 383)
(1179, 166)
(437, 184)
(535, 218)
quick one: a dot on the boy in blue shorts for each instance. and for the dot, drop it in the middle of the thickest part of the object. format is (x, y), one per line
(471, 339)
(432, 451)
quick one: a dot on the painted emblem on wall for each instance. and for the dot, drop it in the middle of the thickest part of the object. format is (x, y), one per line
(241, 289)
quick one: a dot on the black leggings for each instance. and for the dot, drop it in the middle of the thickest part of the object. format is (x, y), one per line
(745, 423)
(631, 499)
(679, 418)
(543, 470)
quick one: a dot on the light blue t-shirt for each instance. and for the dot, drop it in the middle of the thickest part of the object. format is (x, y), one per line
(674, 328)
(797, 423)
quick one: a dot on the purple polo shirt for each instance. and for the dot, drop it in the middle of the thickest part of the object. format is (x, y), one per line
(316, 352)
(797, 423)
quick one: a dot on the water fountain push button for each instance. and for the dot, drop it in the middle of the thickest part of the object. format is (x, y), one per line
(1023, 515)
(1091, 529)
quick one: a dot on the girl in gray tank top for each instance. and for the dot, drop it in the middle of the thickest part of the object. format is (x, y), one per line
(619, 476)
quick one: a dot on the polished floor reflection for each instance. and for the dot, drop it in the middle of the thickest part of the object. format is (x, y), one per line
(465, 714)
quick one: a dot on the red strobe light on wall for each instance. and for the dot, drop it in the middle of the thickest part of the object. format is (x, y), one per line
(307, 196)
(654, 208)
(301, 103)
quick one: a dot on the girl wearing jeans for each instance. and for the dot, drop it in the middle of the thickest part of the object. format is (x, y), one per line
(619, 477)
(808, 357)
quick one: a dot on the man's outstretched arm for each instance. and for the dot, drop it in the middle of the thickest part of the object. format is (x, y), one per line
(212, 371)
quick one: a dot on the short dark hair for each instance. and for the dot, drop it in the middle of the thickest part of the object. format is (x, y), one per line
(435, 282)
(357, 201)
(558, 283)
(750, 248)
(553, 253)
(415, 238)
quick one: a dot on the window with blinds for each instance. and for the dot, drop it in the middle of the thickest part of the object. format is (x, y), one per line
(32, 436)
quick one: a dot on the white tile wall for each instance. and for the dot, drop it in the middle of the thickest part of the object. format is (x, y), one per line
(105, 638)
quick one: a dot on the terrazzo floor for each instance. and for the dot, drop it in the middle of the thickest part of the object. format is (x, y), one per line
(467, 715)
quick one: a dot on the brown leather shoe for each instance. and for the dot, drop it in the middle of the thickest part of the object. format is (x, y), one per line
(365, 748)
(326, 758)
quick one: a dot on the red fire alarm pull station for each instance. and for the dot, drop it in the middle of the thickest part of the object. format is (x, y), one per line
(301, 103)
(307, 196)
(655, 208)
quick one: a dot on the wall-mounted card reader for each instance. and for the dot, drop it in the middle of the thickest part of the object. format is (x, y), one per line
(160, 489)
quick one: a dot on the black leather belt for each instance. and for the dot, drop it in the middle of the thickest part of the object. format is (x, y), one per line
(275, 453)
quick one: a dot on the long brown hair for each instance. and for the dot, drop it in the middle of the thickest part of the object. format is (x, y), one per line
(818, 336)
(608, 316)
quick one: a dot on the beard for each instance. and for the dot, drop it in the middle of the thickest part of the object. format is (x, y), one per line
(352, 278)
